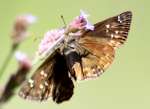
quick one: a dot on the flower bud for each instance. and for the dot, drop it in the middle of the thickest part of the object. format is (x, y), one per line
(20, 27)
(24, 62)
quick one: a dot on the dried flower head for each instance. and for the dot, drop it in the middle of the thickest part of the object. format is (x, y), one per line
(49, 39)
(80, 22)
(23, 60)
(17, 78)
(21, 24)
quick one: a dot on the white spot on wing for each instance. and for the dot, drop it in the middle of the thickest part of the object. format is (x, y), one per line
(107, 30)
(45, 75)
(41, 86)
(46, 83)
(112, 35)
(107, 26)
(116, 32)
(119, 20)
(31, 82)
(42, 72)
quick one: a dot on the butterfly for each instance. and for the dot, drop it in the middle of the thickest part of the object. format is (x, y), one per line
(78, 59)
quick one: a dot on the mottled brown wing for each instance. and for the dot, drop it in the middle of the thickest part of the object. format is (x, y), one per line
(50, 79)
(39, 86)
(101, 44)
(112, 31)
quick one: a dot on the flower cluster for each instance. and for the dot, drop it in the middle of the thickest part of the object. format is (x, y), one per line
(49, 39)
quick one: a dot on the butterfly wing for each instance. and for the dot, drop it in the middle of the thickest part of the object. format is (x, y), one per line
(39, 87)
(50, 79)
(63, 85)
(113, 31)
(101, 44)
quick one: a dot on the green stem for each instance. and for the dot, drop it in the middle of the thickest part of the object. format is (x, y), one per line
(5, 64)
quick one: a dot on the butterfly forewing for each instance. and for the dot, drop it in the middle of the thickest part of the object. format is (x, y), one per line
(101, 44)
(113, 31)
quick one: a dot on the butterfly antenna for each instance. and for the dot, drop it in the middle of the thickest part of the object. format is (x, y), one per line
(62, 17)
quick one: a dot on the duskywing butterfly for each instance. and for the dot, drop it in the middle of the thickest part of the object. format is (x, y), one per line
(85, 57)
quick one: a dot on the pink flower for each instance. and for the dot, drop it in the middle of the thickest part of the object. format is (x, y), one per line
(23, 60)
(49, 39)
(21, 24)
(80, 22)
(88, 25)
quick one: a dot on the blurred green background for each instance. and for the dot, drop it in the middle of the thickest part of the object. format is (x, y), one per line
(125, 85)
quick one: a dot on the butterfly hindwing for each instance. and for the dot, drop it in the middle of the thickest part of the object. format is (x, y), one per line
(39, 86)
(93, 64)
(73, 60)
(51, 79)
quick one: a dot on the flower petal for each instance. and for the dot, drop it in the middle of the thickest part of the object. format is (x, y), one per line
(84, 14)
(88, 25)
